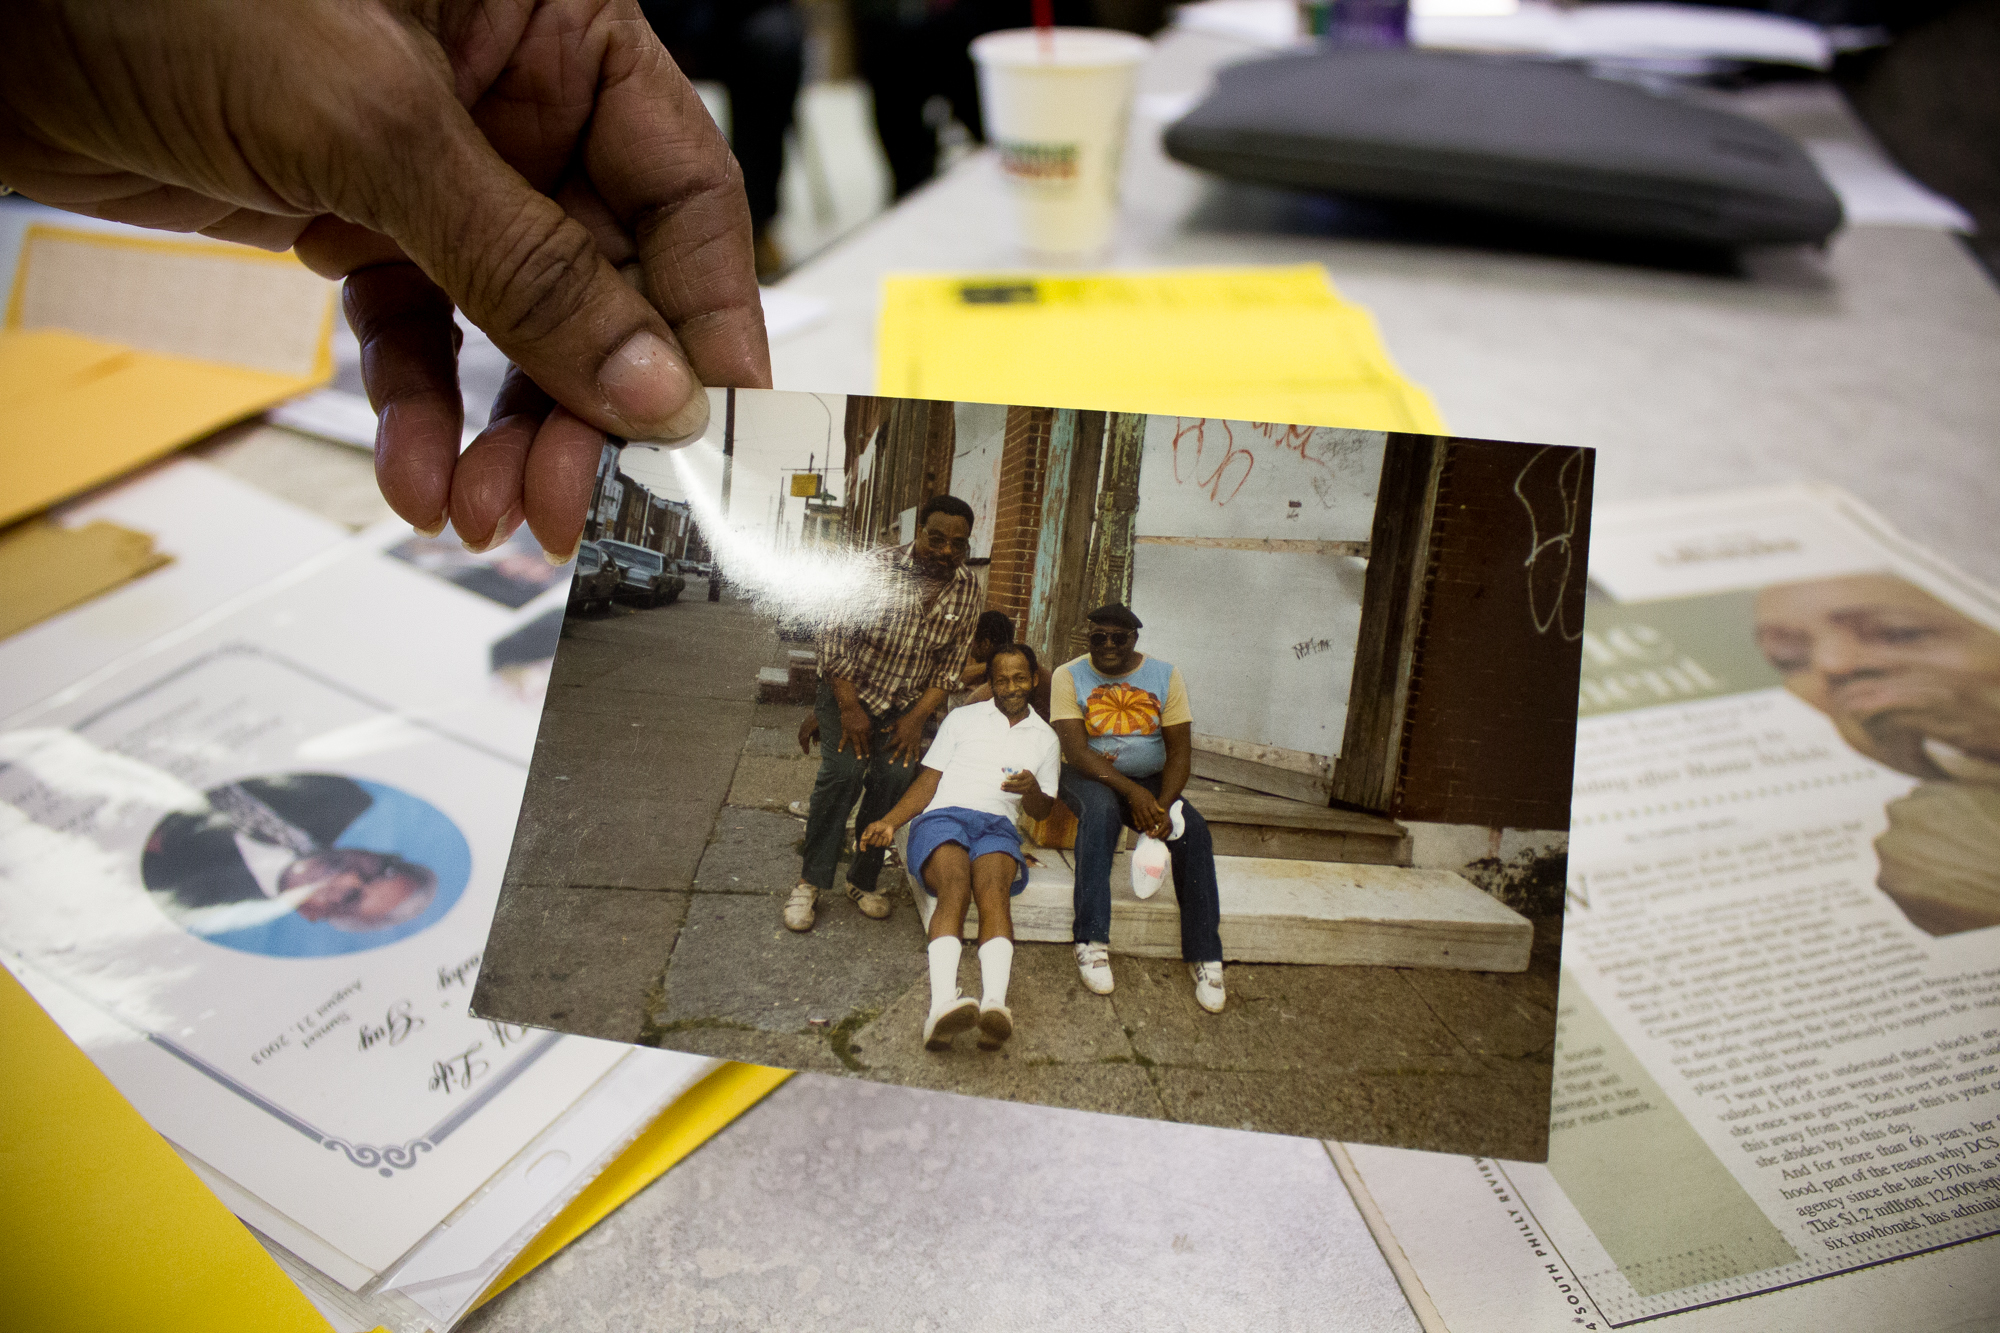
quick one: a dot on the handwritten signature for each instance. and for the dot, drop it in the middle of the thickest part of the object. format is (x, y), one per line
(507, 1034)
(397, 1023)
(460, 974)
(460, 1071)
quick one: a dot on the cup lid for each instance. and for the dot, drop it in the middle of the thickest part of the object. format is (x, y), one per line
(1062, 48)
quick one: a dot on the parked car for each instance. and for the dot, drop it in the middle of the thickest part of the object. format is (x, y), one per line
(646, 577)
(597, 578)
(694, 571)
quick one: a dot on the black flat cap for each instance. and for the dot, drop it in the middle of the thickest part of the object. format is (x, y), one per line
(1114, 613)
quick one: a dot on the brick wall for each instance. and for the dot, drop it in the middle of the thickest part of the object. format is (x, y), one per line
(1491, 734)
(1017, 511)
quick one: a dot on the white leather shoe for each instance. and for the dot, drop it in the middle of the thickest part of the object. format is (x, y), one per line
(948, 1022)
(1208, 992)
(799, 907)
(1093, 964)
(996, 1024)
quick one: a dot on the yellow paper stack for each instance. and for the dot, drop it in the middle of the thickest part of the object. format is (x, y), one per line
(1259, 344)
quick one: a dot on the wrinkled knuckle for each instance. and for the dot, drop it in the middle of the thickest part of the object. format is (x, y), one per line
(536, 280)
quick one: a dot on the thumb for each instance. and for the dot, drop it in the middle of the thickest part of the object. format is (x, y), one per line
(532, 277)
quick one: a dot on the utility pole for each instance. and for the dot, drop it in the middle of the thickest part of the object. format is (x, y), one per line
(728, 442)
(728, 463)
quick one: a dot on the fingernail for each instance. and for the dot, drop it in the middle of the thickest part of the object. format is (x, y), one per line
(686, 425)
(432, 531)
(648, 385)
(502, 530)
(561, 560)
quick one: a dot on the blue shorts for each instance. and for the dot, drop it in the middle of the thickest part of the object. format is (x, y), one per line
(975, 830)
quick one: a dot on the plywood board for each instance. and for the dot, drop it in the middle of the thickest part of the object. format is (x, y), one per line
(1264, 640)
(980, 430)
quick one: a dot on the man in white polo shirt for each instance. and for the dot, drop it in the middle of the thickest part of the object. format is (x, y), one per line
(990, 761)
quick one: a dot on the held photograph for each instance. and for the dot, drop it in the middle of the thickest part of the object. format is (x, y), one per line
(1202, 770)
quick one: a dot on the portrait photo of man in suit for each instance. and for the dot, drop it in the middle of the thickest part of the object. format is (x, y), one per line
(267, 848)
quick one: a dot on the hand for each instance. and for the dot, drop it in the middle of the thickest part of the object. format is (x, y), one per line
(909, 739)
(857, 730)
(540, 164)
(1147, 816)
(1021, 782)
(808, 732)
(878, 834)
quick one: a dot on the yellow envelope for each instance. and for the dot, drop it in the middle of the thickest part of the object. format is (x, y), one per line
(118, 349)
(102, 1226)
(1262, 344)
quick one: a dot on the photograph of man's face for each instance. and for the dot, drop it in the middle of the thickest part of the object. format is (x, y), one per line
(1914, 684)
(1907, 680)
(305, 865)
(353, 889)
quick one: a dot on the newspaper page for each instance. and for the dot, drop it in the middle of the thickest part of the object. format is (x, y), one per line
(1780, 1019)
(250, 864)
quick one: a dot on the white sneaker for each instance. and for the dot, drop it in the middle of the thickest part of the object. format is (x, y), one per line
(948, 1022)
(1093, 963)
(799, 907)
(996, 1024)
(1208, 992)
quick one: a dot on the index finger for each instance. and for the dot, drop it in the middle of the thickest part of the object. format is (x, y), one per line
(660, 165)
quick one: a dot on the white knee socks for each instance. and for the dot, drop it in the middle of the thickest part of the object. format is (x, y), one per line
(996, 964)
(944, 953)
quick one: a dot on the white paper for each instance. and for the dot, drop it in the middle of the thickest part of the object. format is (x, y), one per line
(225, 539)
(1874, 192)
(1585, 32)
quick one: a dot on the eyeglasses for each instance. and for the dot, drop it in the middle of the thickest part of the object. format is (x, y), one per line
(1115, 638)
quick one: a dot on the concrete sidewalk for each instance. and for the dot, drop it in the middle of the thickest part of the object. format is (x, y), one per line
(1420, 1056)
(641, 737)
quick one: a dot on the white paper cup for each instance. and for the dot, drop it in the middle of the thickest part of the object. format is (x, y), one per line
(1056, 106)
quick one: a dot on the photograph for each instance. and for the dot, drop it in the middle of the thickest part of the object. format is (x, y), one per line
(1202, 770)
(1909, 684)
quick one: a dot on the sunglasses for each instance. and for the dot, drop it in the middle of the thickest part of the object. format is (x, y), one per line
(1115, 638)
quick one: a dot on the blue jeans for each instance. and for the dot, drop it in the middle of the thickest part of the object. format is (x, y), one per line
(1100, 814)
(878, 782)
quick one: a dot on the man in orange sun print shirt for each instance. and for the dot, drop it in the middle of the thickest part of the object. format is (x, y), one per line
(1127, 739)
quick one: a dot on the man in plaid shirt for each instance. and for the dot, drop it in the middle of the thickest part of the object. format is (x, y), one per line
(882, 673)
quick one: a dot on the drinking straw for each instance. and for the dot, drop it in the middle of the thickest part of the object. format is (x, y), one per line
(1045, 24)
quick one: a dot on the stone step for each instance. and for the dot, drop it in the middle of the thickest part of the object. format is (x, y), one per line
(1289, 911)
(802, 669)
(1247, 824)
(780, 685)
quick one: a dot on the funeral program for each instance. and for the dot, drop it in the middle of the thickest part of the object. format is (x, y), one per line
(1204, 770)
(247, 861)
